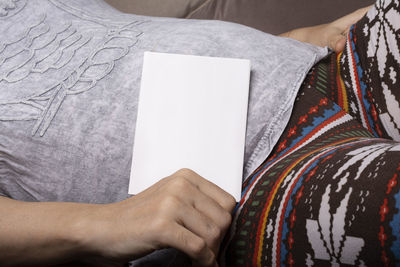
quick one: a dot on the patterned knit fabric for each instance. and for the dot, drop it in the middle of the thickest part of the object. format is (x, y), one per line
(329, 193)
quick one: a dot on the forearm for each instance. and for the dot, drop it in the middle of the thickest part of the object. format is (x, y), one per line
(316, 35)
(37, 233)
(320, 35)
(331, 34)
(286, 34)
(183, 211)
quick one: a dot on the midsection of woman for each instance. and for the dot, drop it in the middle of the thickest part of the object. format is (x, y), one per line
(70, 79)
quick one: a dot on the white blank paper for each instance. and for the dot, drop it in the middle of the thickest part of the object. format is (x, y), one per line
(192, 114)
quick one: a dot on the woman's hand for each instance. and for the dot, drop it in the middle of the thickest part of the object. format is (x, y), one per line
(331, 34)
(183, 211)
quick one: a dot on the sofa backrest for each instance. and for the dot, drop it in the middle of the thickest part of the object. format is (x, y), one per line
(273, 16)
(278, 16)
(161, 8)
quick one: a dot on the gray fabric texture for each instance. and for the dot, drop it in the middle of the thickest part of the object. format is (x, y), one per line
(69, 83)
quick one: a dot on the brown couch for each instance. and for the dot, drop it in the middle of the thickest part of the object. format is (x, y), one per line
(273, 16)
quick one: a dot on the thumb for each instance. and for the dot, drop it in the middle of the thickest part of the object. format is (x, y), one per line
(337, 43)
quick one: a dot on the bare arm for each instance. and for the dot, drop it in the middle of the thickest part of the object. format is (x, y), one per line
(40, 233)
(331, 34)
(183, 211)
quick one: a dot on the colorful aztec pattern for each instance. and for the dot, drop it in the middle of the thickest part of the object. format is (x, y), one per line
(329, 194)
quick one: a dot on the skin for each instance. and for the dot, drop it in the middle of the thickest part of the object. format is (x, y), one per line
(331, 34)
(183, 211)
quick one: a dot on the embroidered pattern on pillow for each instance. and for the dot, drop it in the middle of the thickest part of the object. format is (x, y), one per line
(9, 8)
(81, 53)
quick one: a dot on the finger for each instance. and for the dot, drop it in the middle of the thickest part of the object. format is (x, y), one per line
(340, 44)
(337, 42)
(198, 212)
(195, 247)
(184, 192)
(215, 192)
(210, 208)
(201, 225)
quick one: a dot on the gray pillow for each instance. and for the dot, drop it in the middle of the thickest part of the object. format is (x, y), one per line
(69, 98)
